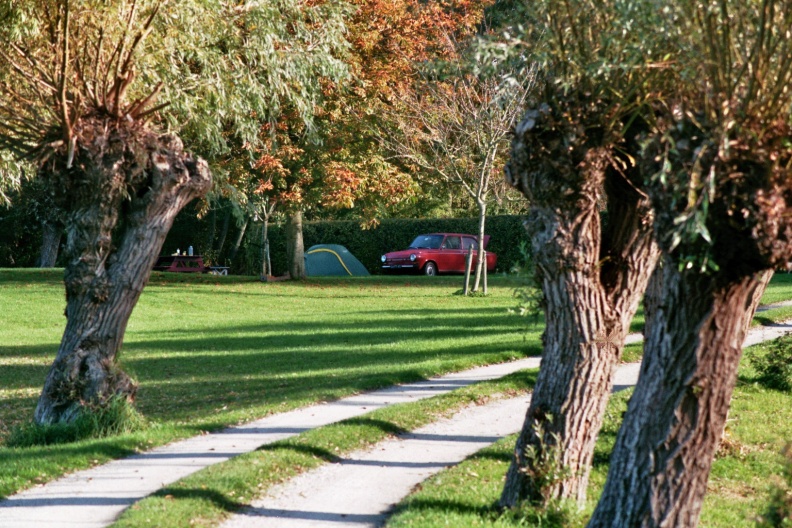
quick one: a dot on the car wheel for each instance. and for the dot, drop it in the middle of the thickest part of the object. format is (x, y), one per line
(430, 269)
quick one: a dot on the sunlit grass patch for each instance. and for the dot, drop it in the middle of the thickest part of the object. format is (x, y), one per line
(779, 289)
(215, 351)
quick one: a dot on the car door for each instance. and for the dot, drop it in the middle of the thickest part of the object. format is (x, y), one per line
(452, 255)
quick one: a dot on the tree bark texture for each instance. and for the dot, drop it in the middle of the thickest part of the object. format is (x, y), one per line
(121, 194)
(674, 422)
(50, 244)
(592, 278)
(295, 251)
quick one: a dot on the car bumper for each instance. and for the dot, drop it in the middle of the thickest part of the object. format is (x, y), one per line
(399, 266)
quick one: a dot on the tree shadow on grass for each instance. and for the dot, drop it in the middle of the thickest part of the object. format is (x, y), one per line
(505, 457)
(214, 497)
(327, 455)
(764, 321)
(446, 505)
(318, 452)
(382, 425)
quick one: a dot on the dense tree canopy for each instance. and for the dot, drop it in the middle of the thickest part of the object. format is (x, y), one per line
(221, 67)
(343, 164)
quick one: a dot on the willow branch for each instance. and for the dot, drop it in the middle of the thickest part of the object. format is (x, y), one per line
(31, 60)
(140, 37)
(140, 105)
(64, 103)
(122, 41)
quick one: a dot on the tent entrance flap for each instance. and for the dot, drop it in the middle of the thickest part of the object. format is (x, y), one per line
(332, 260)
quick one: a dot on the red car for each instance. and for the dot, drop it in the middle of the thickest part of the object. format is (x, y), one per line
(437, 253)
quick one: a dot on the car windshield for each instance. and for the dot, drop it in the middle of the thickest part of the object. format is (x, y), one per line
(427, 242)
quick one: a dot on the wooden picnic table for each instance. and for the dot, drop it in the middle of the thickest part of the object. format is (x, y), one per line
(181, 264)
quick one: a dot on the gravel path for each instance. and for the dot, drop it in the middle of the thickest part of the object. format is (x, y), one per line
(97, 496)
(773, 306)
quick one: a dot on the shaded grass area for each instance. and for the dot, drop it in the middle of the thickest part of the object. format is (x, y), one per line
(212, 494)
(214, 351)
(746, 466)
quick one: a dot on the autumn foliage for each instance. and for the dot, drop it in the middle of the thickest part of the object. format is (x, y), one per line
(339, 164)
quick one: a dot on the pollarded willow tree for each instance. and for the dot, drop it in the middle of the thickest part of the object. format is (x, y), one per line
(85, 86)
(719, 164)
(574, 158)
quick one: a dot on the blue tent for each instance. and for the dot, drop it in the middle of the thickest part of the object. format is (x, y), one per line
(332, 260)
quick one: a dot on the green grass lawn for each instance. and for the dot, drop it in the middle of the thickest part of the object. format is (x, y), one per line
(748, 463)
(212, 351)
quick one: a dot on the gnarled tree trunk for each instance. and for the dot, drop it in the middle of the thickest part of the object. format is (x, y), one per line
(674, 422)
(295, 251)
(697, 314)
(592, 279)
(120, 194)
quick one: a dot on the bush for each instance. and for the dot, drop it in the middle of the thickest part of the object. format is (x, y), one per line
(775, 367)
(117, 417)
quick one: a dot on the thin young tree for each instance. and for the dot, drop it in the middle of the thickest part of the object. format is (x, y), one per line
(80, 84)
(456, 127)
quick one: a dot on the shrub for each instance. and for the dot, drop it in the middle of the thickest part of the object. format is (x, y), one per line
(775, 367)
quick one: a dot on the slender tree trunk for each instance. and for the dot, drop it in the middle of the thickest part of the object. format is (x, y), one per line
(120, 197)
(238, 241)
(674, 422)
(266, 269)
(592, 280)
(481, 259)
(50, 244)
(210, 235)
(295, 251)
(223, 234)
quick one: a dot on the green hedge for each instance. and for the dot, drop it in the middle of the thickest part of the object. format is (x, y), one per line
(393, 234)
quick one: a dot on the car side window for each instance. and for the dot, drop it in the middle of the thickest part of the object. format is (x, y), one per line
(469, 242)
(452, 242)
